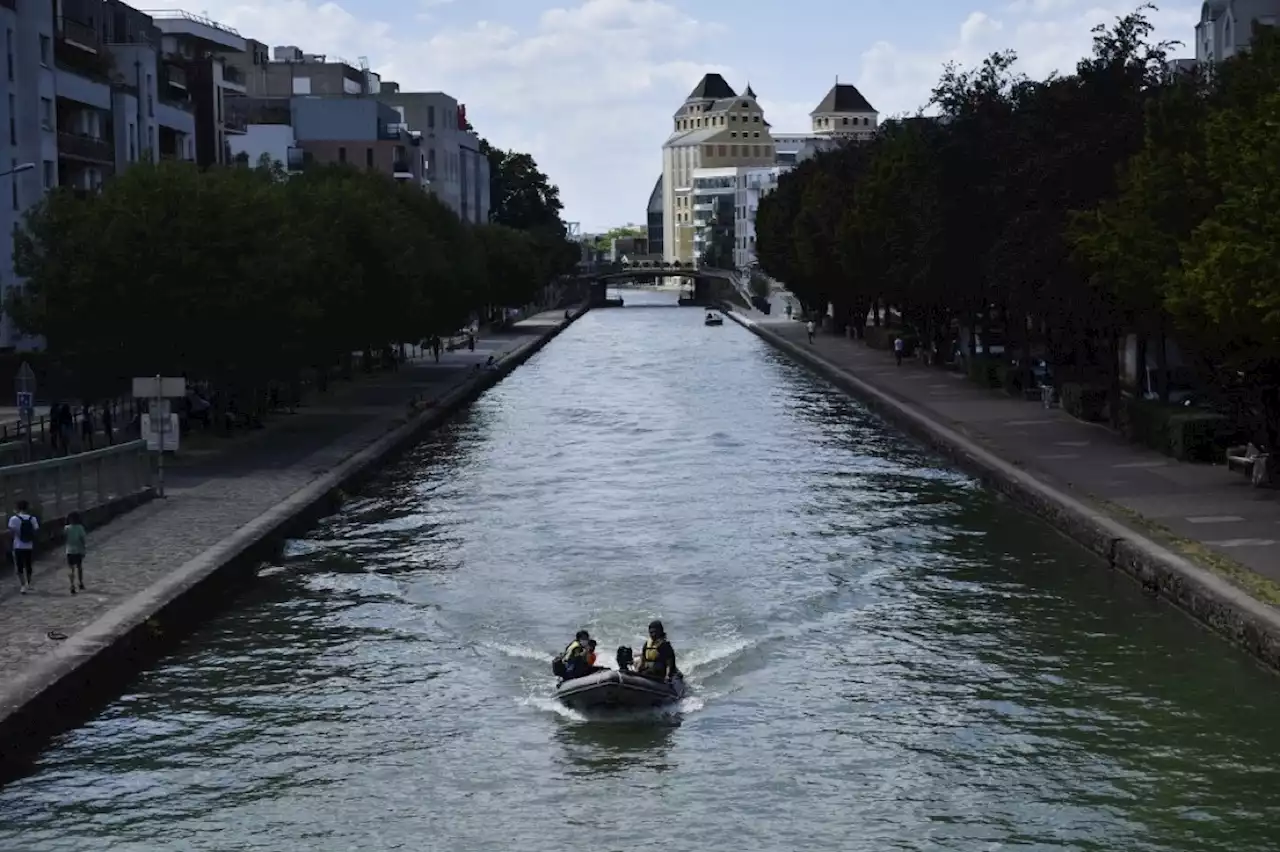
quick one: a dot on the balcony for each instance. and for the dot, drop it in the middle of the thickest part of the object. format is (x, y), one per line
(233, 79)
(175, 77)
(89, 149)
(78, 48)
(402, 169)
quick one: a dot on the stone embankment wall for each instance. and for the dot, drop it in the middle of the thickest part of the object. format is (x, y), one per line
(1210, 599)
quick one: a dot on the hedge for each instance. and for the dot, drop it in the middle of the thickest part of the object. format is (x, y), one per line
(986, 372)
(1084, 401)
(1187, 434)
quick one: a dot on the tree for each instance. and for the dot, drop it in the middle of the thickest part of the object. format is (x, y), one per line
(245, 278)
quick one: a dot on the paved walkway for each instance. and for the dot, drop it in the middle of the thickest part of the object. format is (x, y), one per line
(1210, 514)
(212, 495)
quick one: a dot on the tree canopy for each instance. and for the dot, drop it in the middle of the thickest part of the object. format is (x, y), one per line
(245, 275)
(1059, 216)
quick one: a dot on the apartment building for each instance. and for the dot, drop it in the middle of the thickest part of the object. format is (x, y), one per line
(714, 128)
(1226, 26)
(285, 71)
(193, 50)
(709, 214)
(457, 170)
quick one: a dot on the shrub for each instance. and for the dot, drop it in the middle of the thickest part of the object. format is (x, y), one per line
(1084, 401)
(1196, 436)
(1011, 379)
(986, 372)
(1147, 423)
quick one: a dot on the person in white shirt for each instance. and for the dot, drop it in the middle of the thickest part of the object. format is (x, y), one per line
(23, 527)
(811, 328)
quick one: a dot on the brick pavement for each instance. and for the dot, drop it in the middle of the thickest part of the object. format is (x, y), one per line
(212, 495)
(1209, 514)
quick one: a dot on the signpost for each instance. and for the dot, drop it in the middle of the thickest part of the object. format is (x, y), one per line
(24, 386)
(159, 421)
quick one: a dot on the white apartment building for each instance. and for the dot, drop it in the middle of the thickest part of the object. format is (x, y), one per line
(710, 192)
(1226, 26)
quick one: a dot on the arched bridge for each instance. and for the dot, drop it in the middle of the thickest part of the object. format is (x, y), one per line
(703, 277)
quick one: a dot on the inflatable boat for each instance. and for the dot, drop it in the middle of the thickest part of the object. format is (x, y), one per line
(712, 319)
(610, 689)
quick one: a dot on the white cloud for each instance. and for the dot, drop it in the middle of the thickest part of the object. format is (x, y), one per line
(589, 87)
(1047, 35)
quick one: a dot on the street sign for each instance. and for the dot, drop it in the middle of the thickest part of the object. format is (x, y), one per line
(161, 433)
(159, 387)
(25, 379)
(26, 402)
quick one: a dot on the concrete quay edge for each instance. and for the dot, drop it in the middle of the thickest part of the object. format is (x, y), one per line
(90, 667)
(1224, 608)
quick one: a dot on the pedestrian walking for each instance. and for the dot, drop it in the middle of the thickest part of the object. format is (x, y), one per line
(23, 527)
(811, 328)
(86, 426)
(77, 545)
(899, 346)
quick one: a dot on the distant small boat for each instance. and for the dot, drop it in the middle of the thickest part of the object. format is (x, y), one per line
(712, 319)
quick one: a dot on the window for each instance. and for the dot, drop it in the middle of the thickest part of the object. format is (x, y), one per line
(302, 85)
(342, 155)
(46, 113)
(46, 49)
(13, 120)
(8, 53)
(431, 116)
(48, 174)
(756, 119)
(368, 157)
(151, 105)
(756, 134)
(733, 134)
(13, 182)
(133, 142)
(845, 120)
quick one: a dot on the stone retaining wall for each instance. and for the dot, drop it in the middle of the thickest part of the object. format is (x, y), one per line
(1211, 600)
(92, 666)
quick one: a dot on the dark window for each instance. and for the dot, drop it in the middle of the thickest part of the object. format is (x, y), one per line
(342, 155)
(368, 157)
(431, 114)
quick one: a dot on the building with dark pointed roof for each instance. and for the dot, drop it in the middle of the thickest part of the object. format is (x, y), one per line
(712, 87)
(844, 114)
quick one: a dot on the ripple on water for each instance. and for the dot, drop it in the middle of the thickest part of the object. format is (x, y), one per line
(881, 655)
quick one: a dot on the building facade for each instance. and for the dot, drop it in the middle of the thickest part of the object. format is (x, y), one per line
(714, 128)
(1226, 26)
(457, 170)
(654, 219)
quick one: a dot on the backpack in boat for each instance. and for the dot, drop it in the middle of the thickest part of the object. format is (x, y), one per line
(26, 531)
(557, 667)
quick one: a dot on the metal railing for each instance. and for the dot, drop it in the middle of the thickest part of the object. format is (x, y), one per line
(233, 75)
(86, 147)
(187, 16)
(78, 32)
(56, 487)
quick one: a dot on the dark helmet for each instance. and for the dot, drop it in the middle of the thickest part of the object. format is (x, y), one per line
(582, 634)
(656, 627)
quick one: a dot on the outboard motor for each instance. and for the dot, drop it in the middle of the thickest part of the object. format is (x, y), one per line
(625, 659)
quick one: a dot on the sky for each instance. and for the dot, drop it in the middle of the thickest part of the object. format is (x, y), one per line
(589, 87)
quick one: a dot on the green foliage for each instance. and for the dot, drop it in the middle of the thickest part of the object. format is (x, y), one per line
(1063, 214)
(1085, 402)
(241, 276)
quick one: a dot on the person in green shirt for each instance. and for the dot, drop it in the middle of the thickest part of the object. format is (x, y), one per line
(77, 542)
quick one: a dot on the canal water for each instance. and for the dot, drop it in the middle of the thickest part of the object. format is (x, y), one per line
(882, 655)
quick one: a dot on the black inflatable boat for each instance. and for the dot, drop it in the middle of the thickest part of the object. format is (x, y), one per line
(611, 689)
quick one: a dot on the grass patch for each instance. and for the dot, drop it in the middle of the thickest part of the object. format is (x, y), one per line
(1257, 586)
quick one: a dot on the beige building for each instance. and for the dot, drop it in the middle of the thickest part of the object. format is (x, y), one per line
(715, 128)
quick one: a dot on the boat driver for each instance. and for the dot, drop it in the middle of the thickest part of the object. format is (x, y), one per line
(576, 654)
(658, 659)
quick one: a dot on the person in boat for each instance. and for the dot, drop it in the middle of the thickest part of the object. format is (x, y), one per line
(658, 659)
(573, 661)
(591, 655)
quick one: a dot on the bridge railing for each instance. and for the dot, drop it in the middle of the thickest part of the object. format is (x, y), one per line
(78, 482)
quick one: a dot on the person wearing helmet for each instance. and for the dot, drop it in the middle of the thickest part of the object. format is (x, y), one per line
(658, 659)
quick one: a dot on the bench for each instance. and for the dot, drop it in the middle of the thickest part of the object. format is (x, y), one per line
(1251, 462)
